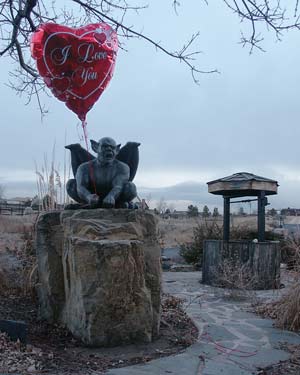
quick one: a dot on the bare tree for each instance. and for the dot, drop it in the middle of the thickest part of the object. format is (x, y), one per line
(171, 207)
(19, 18)
(161, 205)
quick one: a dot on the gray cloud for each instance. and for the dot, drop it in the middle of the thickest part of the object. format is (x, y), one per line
(244, 119)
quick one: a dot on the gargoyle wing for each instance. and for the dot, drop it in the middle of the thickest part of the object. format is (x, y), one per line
(129, 154)
(79, 155)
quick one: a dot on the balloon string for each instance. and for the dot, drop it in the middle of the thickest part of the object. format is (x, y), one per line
(85, 135)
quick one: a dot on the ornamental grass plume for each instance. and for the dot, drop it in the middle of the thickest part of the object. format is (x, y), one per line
(287, 309)
(291, 252)
(50, 186)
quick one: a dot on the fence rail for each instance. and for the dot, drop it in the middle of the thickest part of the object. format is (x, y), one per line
(12, 208)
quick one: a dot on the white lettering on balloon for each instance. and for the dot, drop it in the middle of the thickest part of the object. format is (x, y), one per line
(86, 54)
(86, 74)
(60, 55)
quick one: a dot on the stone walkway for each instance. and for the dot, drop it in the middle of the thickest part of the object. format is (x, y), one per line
(232, 341)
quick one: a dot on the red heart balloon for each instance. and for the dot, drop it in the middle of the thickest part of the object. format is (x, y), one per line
(61, 84)
(76, 64)
(100, 37)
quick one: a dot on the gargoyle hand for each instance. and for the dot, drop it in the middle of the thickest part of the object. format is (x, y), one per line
(109, 201)
(93, 200)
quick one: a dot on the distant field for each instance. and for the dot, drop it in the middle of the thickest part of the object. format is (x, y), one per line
(172, 231)
(177, 231)
(292, 220)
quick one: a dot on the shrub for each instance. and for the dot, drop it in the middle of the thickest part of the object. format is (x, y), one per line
(192, 252)
(285, 310)
(192, 211)
(237, 278)
(290, 252)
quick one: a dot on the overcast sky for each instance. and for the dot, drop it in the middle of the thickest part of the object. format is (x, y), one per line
(244, 119)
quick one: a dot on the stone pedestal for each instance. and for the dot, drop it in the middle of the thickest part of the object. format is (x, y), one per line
(260, 260)
(100, 274)
(49, 245)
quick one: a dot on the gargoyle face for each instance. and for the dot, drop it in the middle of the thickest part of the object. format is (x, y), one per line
(106, 148)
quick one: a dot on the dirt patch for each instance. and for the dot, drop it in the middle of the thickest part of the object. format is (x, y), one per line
(52, 349)
(175, 231)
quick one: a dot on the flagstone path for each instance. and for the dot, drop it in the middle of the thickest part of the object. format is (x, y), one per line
(232, 340)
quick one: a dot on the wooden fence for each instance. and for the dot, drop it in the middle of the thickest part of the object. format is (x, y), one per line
(19, 208)
(12, 208)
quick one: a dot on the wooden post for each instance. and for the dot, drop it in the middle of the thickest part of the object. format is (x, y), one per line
(261, 216)
(226, 219)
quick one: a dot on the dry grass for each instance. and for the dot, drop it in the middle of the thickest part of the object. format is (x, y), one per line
(50, 184)
(238, 280)
(179, 231)
(174, 317)
(291, 252)
(286, 311)
(287, 308)
(17, 257)
(174, 231)
(16, 224)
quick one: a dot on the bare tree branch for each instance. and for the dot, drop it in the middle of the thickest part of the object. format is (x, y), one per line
(129, 31)
(19, 18)
(270, 13)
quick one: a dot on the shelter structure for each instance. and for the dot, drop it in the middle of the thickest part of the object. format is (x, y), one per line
(244, 184)
(257, 262)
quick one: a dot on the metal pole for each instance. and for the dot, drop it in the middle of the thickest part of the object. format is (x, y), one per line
(226, 219)
(261, 216)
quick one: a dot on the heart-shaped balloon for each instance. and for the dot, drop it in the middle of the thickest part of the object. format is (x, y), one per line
(76, 64)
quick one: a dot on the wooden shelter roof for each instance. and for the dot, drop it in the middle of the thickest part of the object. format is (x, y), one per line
(242, 184)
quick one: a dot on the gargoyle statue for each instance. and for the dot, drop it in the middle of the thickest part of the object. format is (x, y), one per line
(105, 180)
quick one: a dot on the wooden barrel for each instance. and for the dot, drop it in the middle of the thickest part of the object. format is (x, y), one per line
(255, 264)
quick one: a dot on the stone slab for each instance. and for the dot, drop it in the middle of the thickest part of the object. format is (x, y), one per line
(237, 343)
(14, 329)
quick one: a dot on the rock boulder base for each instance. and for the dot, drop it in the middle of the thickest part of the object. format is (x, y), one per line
(100, 274)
